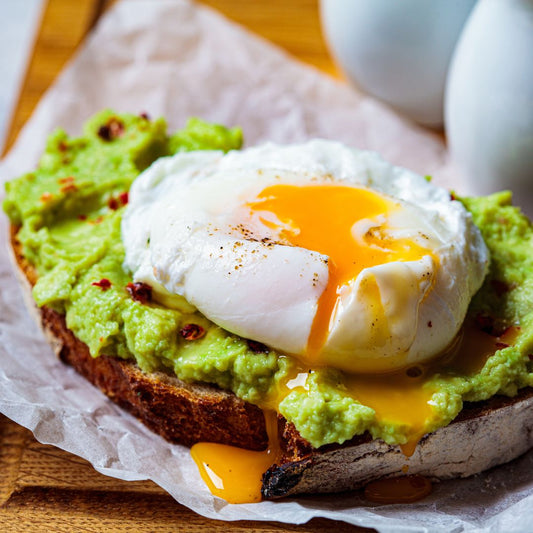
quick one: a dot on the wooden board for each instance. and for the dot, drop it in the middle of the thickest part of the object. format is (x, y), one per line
(43, 488)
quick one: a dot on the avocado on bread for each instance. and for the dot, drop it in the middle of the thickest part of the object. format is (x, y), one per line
(66, 238)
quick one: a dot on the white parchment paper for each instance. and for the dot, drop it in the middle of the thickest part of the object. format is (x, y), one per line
(177, 59)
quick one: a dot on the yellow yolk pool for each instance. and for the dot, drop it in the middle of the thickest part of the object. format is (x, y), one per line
(322, 218)
(235, 474)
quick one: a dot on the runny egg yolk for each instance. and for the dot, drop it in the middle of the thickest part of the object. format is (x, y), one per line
(321, 218)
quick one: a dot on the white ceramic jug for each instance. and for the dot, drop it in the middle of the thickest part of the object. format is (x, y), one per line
(489, 100)
(397, 50)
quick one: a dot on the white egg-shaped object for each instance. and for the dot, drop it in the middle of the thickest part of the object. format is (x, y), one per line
(397, 51)
(489, 100)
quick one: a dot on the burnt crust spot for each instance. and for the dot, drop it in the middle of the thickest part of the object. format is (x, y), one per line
(279, 480)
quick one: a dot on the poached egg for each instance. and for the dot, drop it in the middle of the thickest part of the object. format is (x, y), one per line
(316, 250)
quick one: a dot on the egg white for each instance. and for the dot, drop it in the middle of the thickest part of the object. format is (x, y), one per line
(188, 233)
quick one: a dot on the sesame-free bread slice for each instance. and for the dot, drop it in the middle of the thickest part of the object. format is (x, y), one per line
(484, 434)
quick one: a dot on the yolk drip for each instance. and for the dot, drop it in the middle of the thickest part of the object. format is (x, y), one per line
(321, 218)
(401, 397)
(397, 398)
(235, 474)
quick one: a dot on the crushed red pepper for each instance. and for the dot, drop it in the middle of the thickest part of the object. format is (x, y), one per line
(115, 202)
(104, 284)
(46, 196)
(123, 197)
(111, 130)
(490, 325)
(69, 187)
(502, 345)
(140, 292)
(191, 332)
(257, 347)
(112, 203)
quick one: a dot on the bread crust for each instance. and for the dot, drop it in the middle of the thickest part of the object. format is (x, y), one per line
(180, 412)
(484, 435)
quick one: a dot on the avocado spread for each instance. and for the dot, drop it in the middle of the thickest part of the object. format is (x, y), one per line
(69, 210)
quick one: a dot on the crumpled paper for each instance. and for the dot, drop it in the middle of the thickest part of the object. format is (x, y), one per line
(178, 59)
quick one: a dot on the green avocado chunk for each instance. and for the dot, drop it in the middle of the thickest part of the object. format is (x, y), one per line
(69, 211)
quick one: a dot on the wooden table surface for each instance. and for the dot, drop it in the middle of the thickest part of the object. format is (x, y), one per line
(43, 488)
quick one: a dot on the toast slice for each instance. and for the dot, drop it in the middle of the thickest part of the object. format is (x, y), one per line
(484, 435)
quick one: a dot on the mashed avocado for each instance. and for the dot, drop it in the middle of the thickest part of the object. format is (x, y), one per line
(69, 212)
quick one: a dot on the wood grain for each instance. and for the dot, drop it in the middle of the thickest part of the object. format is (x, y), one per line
(63, 26)
(43, 488)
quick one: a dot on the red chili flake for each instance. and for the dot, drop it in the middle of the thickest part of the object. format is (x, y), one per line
(452, 196)
(62, 146)
(46, 196)
(123, 197)
(104, 284)
(111, 130)
(69, 187)
(104, 132)
(491, 325)
(112, 203)
(191, 332)
(82, 217)
(144, 115)
(502, 345)
(140, 292)
(68, 179)
(257, 347)
(97, 220)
